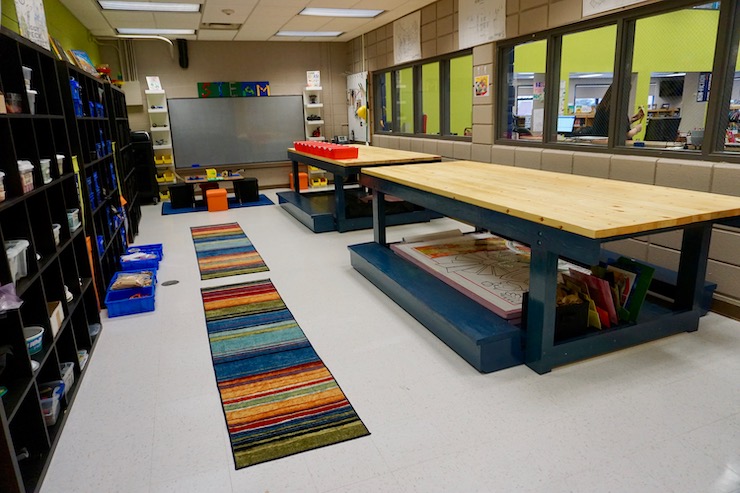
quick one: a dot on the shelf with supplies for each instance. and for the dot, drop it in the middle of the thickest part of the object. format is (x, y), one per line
(313, 109)
(159, 125)
(94, 143)
(44, 342)
(658, 112)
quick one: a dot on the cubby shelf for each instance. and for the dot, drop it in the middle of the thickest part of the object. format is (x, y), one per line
(54, 264)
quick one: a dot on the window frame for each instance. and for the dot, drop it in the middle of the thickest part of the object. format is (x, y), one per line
(723, 69)
(444, 97)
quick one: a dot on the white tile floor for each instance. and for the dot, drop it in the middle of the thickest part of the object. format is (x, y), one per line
(660, 417)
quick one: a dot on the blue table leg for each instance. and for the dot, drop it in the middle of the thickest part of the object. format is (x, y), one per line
(379, 222)
(543, 272)
(340, 204)
(692, 268)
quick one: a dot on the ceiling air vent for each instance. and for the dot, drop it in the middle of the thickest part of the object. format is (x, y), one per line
(221, 26)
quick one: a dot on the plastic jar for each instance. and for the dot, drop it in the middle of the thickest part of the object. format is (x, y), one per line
(60, 163)
(25, 168)
(32, 100)
(46, 170)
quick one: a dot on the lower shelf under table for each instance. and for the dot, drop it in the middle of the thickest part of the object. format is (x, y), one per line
(487, 341)
(317, 211)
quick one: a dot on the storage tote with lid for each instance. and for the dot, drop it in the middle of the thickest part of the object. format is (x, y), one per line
(17, 258)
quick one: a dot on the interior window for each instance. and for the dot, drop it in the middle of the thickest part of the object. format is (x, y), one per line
(525, 95)
(461, 95)
(430, 123)
(405, 94)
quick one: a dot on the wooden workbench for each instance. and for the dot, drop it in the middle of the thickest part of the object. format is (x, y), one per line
(328, 211)
(558, 215)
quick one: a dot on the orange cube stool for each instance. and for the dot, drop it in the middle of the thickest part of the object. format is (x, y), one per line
(216, 199)
(302, 180)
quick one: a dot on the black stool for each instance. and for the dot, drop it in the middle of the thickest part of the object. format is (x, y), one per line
(204, 187)
(246, 190)
(182, 196)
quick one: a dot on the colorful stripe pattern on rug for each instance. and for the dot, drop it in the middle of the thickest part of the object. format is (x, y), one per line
(224, 250)
(278, 396)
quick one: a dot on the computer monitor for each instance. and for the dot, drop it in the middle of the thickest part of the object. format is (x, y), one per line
(663, 129)
(565, 124)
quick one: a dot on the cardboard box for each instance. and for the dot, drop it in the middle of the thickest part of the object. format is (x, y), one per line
(56, 316)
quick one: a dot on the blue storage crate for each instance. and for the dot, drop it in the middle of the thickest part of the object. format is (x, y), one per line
(131, 300)
(153, 248)
(142, 264)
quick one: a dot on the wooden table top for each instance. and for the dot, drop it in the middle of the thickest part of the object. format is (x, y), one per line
(590, 207)
(376, 156)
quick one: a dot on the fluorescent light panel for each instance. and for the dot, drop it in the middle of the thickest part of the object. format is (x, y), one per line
(364, 13)
(311, 34)
(154, 32)
(149, 6)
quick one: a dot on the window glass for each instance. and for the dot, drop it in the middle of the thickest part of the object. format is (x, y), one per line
(671, 73)
(430, 123)
(405, 94)
(461, 95)
(525, 92)
(586, 74)
(732, 134)
(383, 107)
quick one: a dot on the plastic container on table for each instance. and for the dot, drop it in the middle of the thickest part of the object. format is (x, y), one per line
(17, 258)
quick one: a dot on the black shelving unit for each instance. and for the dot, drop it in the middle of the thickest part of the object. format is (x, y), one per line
(93, 129)
(26, 443)
(124, 160)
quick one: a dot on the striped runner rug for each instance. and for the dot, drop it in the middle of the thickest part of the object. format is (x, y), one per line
(279, 398)
(224, 250)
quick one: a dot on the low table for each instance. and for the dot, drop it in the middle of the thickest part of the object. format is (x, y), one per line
(558, 215)
(328, 211)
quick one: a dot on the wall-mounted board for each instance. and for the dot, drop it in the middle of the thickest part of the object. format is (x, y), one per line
(234, 131)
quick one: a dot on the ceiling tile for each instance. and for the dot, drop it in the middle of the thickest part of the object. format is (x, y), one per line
(212, 11)
(129, 19)
(344, 25)
(305, 23)
(215, 35)
(102, 33)
(172, 20)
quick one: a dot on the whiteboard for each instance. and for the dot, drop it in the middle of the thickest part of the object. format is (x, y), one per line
(591, 7)
(481, 21)
(223, 131)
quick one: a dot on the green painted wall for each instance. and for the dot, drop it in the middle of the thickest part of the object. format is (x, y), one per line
(681, 41)
(430, 90)
(60, 23)
(405, 81)
(461, 94)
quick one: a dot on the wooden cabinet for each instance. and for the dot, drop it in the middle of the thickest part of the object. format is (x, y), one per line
(55, 262)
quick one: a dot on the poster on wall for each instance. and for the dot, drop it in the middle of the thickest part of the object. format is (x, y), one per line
(705, 84)
(313, 78)
(591, 7)
(538, 91)
(407, 38)
(481, 21)
(357, 114)
(481, 86)
(32, 21)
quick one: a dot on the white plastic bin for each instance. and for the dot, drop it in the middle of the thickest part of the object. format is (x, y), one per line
(68, 375)
(52, 392)
(57, 228)
(73, 219)
(60, 163)
(46, 170)
(32, 100)
(17, 258)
